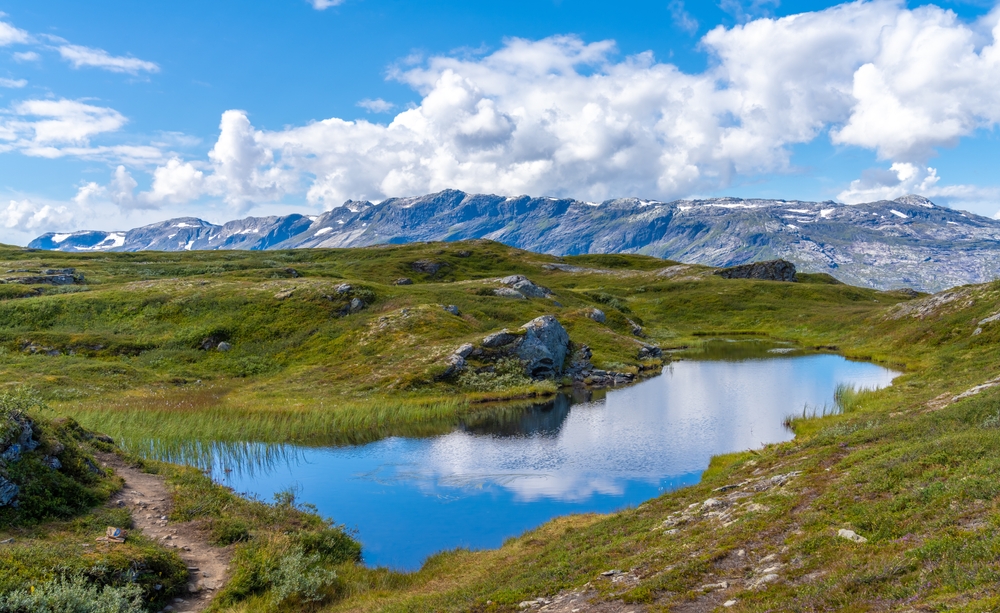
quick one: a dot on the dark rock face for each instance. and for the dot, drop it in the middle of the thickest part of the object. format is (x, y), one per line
(773, 270)
(427, 267)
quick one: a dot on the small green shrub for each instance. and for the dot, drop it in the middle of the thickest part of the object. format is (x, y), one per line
(507, 373)
(280, 572)
(226, 531)
(73, 595)
(612, 301)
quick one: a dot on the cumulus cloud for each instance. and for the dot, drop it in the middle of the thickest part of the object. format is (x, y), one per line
(80, 56)
(377, 105)
(177, 181)
(26, 215)
(562, 116)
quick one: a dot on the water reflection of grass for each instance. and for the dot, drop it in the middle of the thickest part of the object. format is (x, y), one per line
(203, 428)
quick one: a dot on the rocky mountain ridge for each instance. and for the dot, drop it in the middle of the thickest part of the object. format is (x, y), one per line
(907, 242)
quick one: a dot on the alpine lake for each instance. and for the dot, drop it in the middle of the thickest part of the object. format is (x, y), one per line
(582, 452)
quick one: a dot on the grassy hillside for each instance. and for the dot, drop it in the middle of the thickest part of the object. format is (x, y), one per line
(906, 468)
(132, 349)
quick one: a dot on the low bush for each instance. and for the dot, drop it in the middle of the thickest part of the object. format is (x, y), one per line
(506, 374)
(73, 594)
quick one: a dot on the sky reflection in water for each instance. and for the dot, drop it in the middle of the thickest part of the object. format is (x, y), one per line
(474, 487)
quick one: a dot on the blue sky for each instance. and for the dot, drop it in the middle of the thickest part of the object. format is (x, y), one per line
(116, 113)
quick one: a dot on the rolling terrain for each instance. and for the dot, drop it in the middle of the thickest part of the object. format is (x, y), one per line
(908, 242)
(166, 349)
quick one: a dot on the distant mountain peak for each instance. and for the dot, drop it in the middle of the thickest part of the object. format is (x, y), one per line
(908, 241)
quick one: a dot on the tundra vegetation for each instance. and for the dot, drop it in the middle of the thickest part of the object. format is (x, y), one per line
(891, 503)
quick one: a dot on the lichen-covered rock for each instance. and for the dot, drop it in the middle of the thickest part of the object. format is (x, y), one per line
(499, 339)
(507, 292)
(543, 347)
(456, 364)
(403, 281)
(771, 270)
(524, 286)
(597, 315)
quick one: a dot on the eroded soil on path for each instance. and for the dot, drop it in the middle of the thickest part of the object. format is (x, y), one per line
(150, 501)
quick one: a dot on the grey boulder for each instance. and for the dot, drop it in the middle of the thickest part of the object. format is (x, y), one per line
(543, 347)
(507, 292)
(597, 315)
(499, 339)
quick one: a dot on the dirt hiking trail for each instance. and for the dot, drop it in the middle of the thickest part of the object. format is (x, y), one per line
(150, 501)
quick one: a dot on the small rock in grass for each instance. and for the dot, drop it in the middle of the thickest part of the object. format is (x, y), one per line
(284, 294)
(343, 288)
(722, 585)
(451, 308)
(729, 603)
(403, 281)
(506, 292)
(611, 573)
(713, 503)
(224, 346)
(851, 535)
(465, 350)
(597, 315)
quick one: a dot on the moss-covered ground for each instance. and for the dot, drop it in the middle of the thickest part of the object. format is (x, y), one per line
(906, 468)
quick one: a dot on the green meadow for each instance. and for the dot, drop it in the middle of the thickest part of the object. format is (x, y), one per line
(133, 353)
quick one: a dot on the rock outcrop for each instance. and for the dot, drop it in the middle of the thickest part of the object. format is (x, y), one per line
(543, 347)
(771, 270)
(521, 287)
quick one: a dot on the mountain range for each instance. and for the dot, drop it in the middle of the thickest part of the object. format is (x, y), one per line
(907, 242)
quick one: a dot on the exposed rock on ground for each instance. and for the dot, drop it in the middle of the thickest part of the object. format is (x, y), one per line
(49, 276)
(428, 267)
(520, 287)
(543, 347)
(772, 270)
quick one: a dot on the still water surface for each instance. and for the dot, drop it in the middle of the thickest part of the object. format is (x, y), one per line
(410, 497)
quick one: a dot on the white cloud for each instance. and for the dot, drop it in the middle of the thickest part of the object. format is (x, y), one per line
(681, 18)
(322, 5)
(175, 182)
(10, 35)
(563, 117)
(13, 83)
(49, 122)
(80, 56)
(27, 56)
(904, 178)
(25, 215)
(377, 105)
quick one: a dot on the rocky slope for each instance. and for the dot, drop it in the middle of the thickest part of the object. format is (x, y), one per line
(907, 242)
